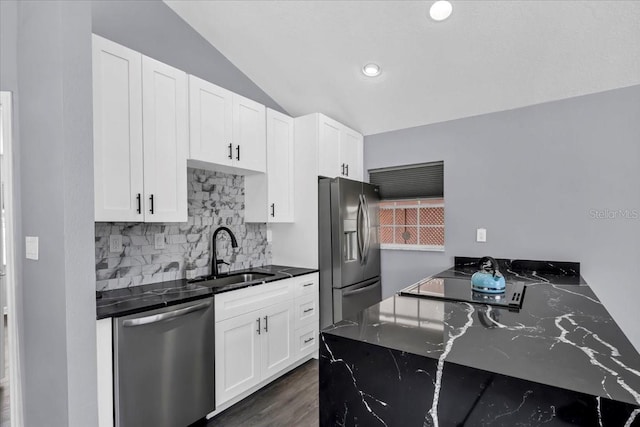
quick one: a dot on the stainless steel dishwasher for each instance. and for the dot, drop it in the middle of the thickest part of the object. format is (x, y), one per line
(163, 371)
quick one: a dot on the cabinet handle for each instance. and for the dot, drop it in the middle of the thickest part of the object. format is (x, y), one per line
(273, 209)
(238, 152)
(307, 284)
(308, 310)
(347, 166)
(308, 340)
(230, 151)
(151, 206)
(266, 325)
(343, 169)
(139, 200)
(258, 331)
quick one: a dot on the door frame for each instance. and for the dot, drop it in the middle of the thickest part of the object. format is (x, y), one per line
(15, 377)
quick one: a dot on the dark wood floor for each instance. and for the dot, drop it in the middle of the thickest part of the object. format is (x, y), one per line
(291, 400)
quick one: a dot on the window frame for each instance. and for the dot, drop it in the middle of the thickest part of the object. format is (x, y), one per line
(402, 204)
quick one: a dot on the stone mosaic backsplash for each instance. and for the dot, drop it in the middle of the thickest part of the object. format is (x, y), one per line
(215, 199)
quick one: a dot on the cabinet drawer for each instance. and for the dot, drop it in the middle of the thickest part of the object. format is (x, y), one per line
(307, 285)
(306, 340)
(241, 301)
(306, 310)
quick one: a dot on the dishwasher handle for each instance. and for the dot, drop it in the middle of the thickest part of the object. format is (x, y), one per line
(165, 316)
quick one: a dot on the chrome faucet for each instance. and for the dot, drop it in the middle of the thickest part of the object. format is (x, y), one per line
(214, 258)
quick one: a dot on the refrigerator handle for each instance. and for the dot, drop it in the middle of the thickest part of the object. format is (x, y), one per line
(367, 237)
(359, 233)
(375, 283)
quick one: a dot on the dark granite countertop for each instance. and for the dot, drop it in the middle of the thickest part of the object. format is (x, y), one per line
(562, 336)
(136, 299)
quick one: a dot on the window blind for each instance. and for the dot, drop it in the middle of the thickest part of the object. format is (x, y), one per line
(409, 182)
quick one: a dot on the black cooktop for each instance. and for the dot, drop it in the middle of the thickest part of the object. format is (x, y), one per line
(459, 289)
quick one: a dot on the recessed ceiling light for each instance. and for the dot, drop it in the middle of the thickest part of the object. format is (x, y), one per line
(371, 70)
(440, 10)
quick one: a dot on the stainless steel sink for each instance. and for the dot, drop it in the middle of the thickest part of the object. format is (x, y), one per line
(232, 279)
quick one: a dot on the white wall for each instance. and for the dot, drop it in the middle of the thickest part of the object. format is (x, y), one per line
(531, 176)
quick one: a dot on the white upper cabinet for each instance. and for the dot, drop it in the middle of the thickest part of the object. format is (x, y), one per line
(225, 128)
(339, 150)
(140, 136)
(269, 197)
(351, 150)
(249, 134)
(117, 132)
(165, 115)
(280, 158)
(329, 147)
(210, 124)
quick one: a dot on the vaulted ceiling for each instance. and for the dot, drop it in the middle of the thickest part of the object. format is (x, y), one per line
(488, 56)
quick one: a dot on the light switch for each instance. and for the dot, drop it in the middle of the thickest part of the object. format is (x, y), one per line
(159, 241)
(31, 247)
(481, 235)
(115, 243)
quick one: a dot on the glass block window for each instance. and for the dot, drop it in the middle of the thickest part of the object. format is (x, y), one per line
(416, 224)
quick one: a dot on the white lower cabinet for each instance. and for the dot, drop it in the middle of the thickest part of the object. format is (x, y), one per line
(238, 348)
(252, 347)
(306, 340)
(277, 338)
(261, 331)
(104, 347)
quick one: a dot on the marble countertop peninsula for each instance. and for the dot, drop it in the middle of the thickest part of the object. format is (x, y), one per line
(562, 336)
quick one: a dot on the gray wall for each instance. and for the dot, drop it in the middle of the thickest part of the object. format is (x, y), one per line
(532, 177)
(54, 82)
(8, 45)
(152, 28)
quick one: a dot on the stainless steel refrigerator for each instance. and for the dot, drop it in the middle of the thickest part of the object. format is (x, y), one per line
(349, 248)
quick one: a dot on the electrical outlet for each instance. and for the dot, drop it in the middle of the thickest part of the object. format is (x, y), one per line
(159, 241)
(31, 247)
(115, 243)
(481, 235)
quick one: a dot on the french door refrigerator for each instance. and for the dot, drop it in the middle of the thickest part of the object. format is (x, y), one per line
(349, 248)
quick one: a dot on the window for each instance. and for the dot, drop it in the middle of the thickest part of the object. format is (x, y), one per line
(412, 206)
(412, 224)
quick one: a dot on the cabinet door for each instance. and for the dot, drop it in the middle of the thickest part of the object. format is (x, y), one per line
(249, 134)
(210, 118)
(117, 132)
(164, 102)
(351, 154)
(237, 360)
(279, 167)
(329, 148)
(104, 344)
(277, 341)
